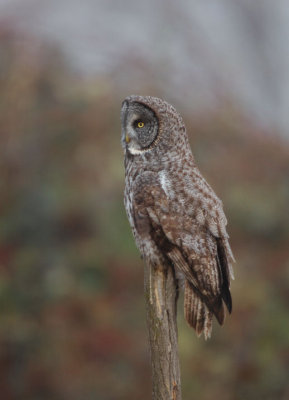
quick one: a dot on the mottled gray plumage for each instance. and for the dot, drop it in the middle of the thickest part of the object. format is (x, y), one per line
(175, 216)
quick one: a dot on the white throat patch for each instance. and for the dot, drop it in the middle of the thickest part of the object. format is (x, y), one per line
(135, 151)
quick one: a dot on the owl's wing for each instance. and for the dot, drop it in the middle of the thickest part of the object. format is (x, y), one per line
(191, 246)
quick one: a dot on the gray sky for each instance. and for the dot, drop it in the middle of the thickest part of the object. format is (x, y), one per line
(196, 49)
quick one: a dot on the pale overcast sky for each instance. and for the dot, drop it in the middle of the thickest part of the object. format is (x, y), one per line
(239, 47)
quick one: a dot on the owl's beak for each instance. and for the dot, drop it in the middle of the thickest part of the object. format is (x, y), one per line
(127, 138)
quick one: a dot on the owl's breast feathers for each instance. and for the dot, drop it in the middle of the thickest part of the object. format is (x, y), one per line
(190, 234)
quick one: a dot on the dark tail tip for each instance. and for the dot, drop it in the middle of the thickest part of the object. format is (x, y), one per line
(218, 310)
(226, 295)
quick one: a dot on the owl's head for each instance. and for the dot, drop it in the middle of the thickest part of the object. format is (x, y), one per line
(147, 122)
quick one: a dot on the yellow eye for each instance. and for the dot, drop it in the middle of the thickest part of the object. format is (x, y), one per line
(140, 124)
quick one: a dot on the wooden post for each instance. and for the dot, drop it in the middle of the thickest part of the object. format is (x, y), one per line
(161, 294)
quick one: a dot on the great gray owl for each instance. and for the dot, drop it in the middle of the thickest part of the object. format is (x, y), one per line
(175, 216)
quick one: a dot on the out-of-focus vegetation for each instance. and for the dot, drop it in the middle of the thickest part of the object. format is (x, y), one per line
(72, 317)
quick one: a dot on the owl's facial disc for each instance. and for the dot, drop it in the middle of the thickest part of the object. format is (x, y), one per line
(139, 127)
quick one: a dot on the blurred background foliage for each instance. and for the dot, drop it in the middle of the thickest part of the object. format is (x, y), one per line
(72, 319)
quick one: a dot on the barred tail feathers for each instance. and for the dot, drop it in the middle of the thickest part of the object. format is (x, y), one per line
(196, 313)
